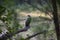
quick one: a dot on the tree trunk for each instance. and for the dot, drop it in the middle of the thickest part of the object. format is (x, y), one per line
(55, 18)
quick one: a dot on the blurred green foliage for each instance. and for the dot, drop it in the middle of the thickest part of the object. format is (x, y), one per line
(11, 21)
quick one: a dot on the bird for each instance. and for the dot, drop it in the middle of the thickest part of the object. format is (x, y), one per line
(28, 21)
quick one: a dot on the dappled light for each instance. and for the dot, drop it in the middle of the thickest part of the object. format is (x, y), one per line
(29, 20)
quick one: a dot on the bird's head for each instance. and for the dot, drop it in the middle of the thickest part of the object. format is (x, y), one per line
(29, 16)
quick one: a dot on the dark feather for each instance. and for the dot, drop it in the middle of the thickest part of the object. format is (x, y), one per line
(27, 23)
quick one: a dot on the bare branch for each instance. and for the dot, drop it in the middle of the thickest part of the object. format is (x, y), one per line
(35, 35)
(8, 35)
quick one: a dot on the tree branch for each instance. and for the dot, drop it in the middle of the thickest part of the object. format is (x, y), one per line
(35, 34)
(9, 35)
